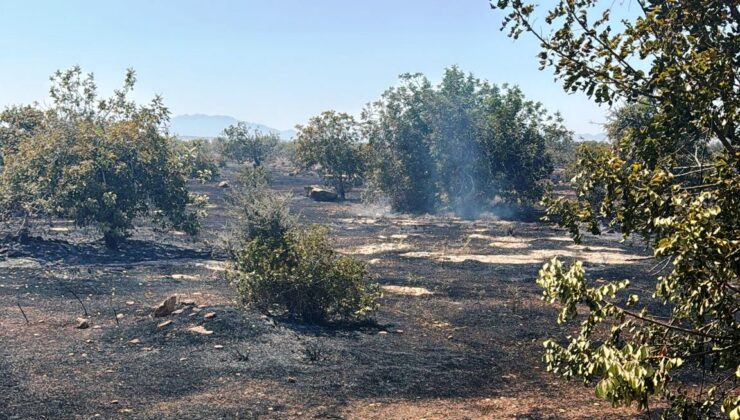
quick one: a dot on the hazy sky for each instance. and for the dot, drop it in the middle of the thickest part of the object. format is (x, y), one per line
(275, 62)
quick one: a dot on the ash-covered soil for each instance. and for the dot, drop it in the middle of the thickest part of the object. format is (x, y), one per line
(459, 333)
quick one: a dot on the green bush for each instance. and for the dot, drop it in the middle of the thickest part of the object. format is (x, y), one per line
(277, 264)
(253, 178)
(300, 274)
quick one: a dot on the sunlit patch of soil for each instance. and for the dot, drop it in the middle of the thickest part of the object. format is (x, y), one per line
(376, 248)
(20, 263)
(406, 290)
(504, 242)
(497, 407)
(213, 265)
(606, 256)
(232, 394)
(358, 221)
(181, 277)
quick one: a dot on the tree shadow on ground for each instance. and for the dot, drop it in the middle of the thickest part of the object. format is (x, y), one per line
(95, 253)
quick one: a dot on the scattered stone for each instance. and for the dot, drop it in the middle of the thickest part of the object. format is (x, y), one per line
(291, 379)
(130, 302)
(114, 402)
(166, 307)
(223, 184)
(119, 316)
(382, 332)
(317, 193)
(188, 302)
(209, 315)
(183, 359)
(135, 341)
(178, 312)
(83, 323)
(218, 347)
(164, 324)
(399, 331)
(200, 330)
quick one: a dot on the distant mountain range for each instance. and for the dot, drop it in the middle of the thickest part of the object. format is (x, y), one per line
(201, 125)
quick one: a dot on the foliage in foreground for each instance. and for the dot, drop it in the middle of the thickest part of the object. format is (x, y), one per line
(99, 162)
(330, 143)
(277, 264)
(675, 67)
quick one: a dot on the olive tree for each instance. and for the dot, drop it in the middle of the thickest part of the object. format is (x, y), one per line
(330, 142)
(676, 63)
(96, 161)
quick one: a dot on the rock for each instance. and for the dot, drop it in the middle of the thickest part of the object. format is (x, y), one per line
(317, 193)
(164, 324)
(135, 341)
(382, 332)
(291, 379)
(200, 330)
(83, 323)
(178, 312)
(166, 307)
(223, 184)
(218, 347)
(188, 302)
(209, 315)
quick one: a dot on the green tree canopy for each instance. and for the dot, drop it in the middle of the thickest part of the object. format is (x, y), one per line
(330, 142)
(246, 144)
(100, 162)
(459, 144)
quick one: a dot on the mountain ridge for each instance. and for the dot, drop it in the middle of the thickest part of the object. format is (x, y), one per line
(190, 126)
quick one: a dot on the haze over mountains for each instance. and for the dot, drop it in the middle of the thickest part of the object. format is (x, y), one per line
(201, 125)
(209, 126)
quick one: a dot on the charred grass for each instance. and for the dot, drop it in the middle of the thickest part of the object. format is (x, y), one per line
(458, 334)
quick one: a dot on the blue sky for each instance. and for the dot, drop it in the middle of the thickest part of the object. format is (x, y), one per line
(276, 62)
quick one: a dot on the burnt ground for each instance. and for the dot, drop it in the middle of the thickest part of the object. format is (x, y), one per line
(459, 333)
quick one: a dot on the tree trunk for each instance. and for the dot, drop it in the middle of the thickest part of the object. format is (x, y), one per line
(340, 191)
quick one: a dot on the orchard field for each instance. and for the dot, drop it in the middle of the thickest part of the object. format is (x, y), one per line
(458, 334)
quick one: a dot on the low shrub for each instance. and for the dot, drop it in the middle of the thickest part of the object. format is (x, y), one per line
(300, 274)
(277, 264)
